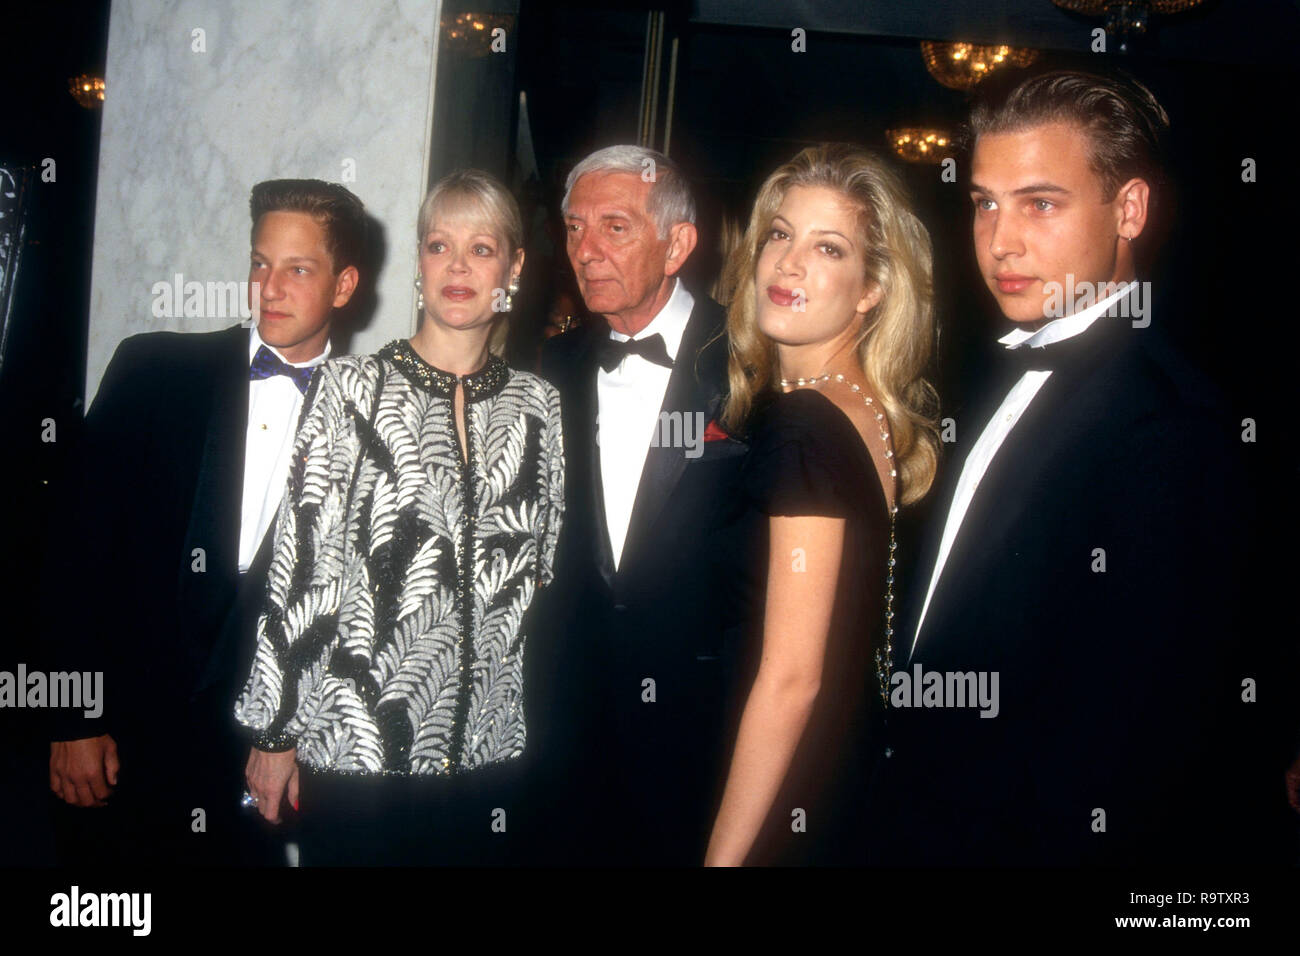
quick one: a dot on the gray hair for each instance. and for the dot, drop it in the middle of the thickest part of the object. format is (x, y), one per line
(670, 200)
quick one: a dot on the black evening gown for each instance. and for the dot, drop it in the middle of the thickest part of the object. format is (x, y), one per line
(807, 458)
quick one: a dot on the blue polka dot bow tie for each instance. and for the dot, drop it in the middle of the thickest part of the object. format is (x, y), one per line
(266, 363)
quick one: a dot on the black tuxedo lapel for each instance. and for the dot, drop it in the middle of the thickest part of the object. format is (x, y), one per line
(214, 525)
(1049, 429)
(691, 392)
(923, 568)
(970, 425)
(587, 403)
(232, 655)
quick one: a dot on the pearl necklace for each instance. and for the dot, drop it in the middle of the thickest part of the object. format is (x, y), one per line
(884, 655)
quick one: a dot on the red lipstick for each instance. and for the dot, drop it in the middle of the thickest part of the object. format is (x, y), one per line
(782, 297)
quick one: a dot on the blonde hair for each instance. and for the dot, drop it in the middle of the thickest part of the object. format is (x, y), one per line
(487, 200)
(895, 343)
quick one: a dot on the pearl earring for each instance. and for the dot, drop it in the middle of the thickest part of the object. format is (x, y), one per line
(512, 290)
(419, 298)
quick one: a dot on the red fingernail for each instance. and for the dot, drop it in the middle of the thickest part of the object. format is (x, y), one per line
(295, 805)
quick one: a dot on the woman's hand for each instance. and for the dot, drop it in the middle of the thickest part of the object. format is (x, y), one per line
(269, 776)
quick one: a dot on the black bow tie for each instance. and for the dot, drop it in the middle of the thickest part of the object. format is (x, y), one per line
(1104, 335)
(651, 348)
(1047, 358)
(266, 363)
(1025, 359)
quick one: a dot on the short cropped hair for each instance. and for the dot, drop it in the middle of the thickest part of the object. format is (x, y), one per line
(670, 200)
(1125, 124)
(334, 207)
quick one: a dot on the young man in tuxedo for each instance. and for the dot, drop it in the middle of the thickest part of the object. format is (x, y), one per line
(628, 698)
(186, 459)
(1090, 541)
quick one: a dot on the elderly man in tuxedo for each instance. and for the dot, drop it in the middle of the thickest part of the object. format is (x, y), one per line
(630, 711)
(186, 459)
(1090, 543)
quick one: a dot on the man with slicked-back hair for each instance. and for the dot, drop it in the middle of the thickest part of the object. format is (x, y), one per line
(1089, 559)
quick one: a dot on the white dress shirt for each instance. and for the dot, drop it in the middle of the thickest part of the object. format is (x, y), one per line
(273, 407)
(628, 401)
(1003, 421)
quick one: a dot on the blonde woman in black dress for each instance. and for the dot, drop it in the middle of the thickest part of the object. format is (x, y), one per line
(830, 327)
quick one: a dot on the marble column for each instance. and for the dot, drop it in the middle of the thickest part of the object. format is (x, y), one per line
(205, 98)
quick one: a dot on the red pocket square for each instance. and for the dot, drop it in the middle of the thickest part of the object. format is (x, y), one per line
(713, 432)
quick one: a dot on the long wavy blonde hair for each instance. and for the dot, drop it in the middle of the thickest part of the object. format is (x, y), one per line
(897, 334)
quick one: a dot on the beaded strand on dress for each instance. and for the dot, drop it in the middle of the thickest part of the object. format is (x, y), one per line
(884, 655)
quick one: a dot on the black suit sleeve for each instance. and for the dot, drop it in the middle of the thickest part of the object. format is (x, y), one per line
(86, 563)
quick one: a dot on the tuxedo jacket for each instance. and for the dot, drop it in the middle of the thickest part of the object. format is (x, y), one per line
(153, 548)
(1102, 573)
(630, 675)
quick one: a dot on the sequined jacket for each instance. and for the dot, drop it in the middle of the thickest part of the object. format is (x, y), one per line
(391, 638)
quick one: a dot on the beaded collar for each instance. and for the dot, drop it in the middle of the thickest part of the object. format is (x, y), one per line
(486, 382)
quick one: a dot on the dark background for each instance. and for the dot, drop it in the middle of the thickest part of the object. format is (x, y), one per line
(43, 375)
(743, 104)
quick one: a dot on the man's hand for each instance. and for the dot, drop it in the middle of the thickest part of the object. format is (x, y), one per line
(84, 772)
(1293, 785)
(268, 776)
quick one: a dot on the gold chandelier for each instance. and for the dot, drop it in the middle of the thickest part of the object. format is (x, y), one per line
(961, 66)
(1125, 18)
(87, 90)
(1097, 8)
(471, 34)
(920, 144)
